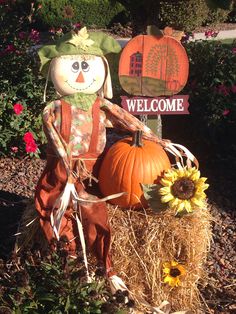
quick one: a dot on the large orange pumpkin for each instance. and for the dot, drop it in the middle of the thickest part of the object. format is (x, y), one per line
(153, 65)
(127, 164)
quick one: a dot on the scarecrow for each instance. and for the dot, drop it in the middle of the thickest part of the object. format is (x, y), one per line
(67, 198)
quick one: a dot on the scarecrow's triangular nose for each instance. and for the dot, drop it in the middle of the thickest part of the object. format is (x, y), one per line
(80, 78)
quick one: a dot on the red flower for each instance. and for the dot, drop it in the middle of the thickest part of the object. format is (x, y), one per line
(28, 137)
(31, 147)
(18, 108)
(226, 112)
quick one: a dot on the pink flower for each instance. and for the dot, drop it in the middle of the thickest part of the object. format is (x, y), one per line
(226, 112)
(211, 33)
(234, 50)
(28, 137)
(77, 25)
(59, 30)
(18, 108)
(233, 89)
(14, 149)
(31, 147)
(10, 48)
(34, 35)
(22, 35)
(222, 89)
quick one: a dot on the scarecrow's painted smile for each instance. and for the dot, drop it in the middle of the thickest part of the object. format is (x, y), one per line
(81, 88)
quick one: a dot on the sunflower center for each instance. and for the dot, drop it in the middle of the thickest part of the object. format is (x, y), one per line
(175, 272)
(183, 188)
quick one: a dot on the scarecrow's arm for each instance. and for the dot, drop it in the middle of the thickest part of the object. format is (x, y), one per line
(54, 137)
(119, 118)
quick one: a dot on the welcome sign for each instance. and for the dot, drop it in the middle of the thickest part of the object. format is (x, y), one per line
(156, 106)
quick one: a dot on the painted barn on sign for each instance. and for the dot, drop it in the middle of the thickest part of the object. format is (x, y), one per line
(136, 63)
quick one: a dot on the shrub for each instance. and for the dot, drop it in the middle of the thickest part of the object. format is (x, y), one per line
(54, 284)
(99, 13)
(21, 87)
(188, 15)
(217, 15)
(212, 89)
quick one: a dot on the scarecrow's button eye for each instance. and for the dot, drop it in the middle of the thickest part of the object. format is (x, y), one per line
(75, 66)
(85, 66)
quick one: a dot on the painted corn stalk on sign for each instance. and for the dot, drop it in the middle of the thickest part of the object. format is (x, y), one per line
(154, 65)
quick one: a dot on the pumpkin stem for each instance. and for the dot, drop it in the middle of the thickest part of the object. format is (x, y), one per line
(137, 139)
(154, 31)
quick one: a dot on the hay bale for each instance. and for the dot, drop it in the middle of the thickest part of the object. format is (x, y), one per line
(143, 241)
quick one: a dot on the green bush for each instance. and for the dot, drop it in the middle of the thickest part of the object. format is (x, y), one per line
(99, 13)
(20, 83)
(217, 15)
(184, 15)
(189, 15)
(32, 284)
(212, 89)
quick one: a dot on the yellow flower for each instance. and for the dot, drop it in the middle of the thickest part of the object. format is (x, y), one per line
(183, 189)
(172, 272)
(81, 39)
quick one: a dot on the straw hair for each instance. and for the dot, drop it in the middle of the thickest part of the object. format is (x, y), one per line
(143, 241)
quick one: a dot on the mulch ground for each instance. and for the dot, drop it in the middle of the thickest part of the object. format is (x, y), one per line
(17, 184)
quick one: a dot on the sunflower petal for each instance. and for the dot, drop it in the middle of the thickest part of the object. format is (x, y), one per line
(180, 207)
(165, 182)
(187, 206)
(174, 202)
(195, 176)
(167, 198)
(198, 202)
(165, 190)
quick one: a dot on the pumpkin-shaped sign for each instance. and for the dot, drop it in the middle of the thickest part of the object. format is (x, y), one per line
(129, 163)
(153, 66)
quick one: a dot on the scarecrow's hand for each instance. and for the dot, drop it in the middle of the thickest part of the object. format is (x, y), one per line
(119, 118)
(54, 137)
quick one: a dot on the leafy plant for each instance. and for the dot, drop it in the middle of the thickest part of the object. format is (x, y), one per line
(20, 82)
(212, 90)
(55, 284)
(90, 13)
(188, 15)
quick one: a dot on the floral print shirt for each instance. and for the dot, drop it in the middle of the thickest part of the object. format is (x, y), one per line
(111, 115)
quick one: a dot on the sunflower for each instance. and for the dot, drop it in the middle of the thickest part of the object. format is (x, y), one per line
(183, 189)
(172, 271)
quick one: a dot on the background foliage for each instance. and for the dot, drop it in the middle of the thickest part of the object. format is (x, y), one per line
(212, 89)
(92, 13)
(20, 81)
(188, 15)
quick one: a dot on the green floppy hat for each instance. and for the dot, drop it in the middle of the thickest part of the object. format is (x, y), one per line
(76, 43)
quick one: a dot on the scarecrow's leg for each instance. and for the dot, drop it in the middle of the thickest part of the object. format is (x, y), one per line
(67, 231)
(97, 232)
